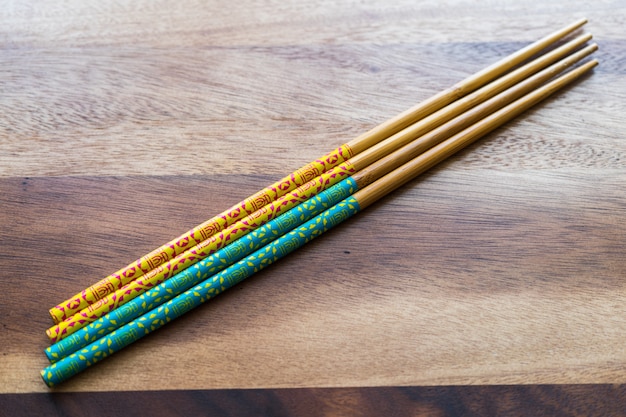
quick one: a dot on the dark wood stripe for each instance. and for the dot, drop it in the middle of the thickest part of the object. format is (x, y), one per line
(516, 400)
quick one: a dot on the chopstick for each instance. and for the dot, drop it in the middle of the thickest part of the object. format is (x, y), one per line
(356, 166)
(175, 247)
(156, 318)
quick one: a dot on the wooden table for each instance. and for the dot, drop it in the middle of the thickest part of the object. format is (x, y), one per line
(493, 284)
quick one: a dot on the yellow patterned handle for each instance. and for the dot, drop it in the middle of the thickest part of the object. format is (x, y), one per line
(198, 234)
(199, 252)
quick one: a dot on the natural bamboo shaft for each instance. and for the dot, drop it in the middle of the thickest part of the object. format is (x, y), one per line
(458, 90)
(440, 152)
(442, 132)
(392, 143)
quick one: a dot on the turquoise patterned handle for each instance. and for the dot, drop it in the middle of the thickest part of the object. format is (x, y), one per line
(129, 333)
(202, 270)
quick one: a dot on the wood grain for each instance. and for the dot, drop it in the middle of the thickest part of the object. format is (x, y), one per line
(124, 124)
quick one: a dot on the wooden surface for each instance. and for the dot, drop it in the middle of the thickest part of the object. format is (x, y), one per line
(123, 124)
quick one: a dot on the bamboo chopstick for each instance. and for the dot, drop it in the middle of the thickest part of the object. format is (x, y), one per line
(202, 232)
(127, 334)
(227, 255)
(356, 166)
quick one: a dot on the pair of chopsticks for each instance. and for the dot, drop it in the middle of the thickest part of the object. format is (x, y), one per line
(420, 138)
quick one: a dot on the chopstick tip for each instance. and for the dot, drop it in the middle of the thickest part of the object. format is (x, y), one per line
(587, 66)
